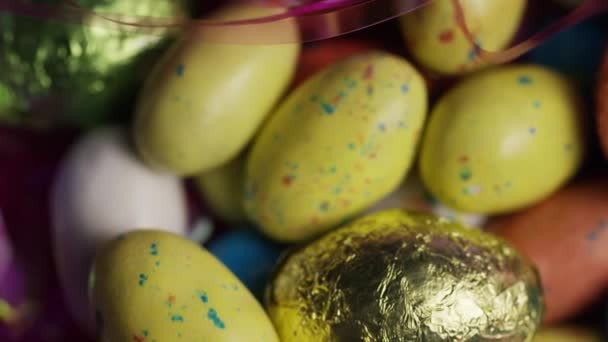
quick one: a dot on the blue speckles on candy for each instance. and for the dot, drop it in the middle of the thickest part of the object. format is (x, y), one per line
(595, 233)
(180, 70)
(213, 316)
(333, 169)
(203, 297)
(536, 104)
(327, 108)
(154, 249)
(142, 279)
(145, 333)
(351, 146)
(405, 88)
(157, 263)
(532, 130)
(324, 207)
(177, 318)
(524, 80)
(382, 127)
(338, 191)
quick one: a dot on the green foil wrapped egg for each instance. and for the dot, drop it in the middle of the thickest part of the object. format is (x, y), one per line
(398, 276)
(78, 71)
(341, 141)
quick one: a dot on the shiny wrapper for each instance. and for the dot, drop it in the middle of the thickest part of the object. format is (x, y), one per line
(82, 69)
(398, 276)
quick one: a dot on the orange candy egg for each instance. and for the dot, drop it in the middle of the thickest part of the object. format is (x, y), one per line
(566, 236)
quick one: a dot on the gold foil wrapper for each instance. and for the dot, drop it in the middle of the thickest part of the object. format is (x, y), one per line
(82, 70)
(398, 276)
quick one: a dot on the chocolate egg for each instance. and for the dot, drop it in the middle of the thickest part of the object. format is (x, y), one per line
(341, 141)
(566, 236)
(398, 276)
(503, 139)
(103, 190)
(435, 37)
(157, 286)
(222, 189)
(206, 100)
(602, 105)
(81, 72)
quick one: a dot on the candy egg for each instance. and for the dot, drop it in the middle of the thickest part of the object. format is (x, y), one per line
(602, 105)
(206, 100)
(502, 140)
(341, 141)
(566, 237)
(103, 190)
(567, 334)
(70, 67)
(396, 276)
(156, 286)
(249, 255)
(435, 37)
(412, 195)
(222, 189)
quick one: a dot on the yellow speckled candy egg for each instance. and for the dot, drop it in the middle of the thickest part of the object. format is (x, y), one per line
(503, 139)
(436, 40)
(205, 100)
(156, 286)
(341, 141)
(222, 189)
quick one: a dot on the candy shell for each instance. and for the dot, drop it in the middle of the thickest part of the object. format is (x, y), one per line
(503, 139)
(566, 236)
(102, 191)
(435, 38)
(205, 100)
(154, 285)
(342, 140)
(249, 255)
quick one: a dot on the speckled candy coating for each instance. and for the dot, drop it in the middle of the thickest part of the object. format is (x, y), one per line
(436, 40)
(503, 139)
(157, 286)
(342, 140)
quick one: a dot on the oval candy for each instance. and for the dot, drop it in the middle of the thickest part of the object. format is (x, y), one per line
(154, 285)
(503, 139)
(341, 141)
(205, 100)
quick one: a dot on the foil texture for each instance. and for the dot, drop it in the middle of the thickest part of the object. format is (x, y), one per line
(80, 71)
(399, 276)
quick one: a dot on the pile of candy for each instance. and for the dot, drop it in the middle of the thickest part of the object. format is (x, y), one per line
(388, 185)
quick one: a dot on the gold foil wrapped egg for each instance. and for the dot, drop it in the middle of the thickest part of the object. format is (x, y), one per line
(399, 276)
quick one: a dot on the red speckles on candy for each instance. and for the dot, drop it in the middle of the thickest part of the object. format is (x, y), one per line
(463, 159)
(344, 202)
(368, 74)
(372, 156)
(314, 220)
(287, 180)
(446, 36)
(171, 299)
(139, 338)
(368, 180)
(358, 166)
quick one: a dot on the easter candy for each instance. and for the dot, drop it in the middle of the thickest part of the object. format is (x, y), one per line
(602, 105)
(412, 195)
(222, 189)
(435, 36)
(341, 141)
(566, 236)
(80, 72)
(206, 100)
(502, 140)
(157, 286)
(567, 334)
(103, 190)
(249, 255)
(405, 277)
